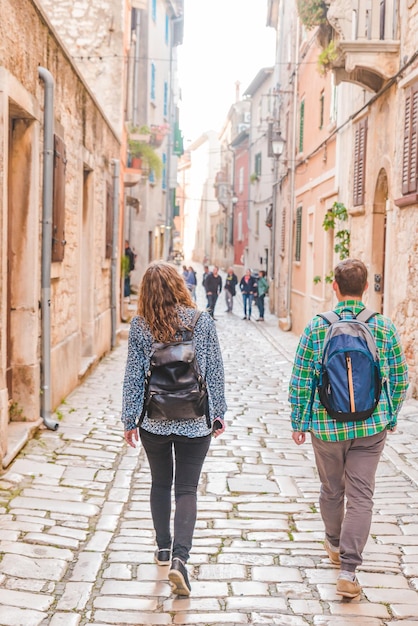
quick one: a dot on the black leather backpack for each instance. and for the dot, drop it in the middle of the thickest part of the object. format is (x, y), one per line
(174, 387)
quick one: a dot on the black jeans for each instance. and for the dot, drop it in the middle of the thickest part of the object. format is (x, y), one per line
(212, 298)
(189, 455)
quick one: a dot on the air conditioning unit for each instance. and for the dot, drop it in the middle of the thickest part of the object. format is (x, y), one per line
(242, 127)
(247, 117)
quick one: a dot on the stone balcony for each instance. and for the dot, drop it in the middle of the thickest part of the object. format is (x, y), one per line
(366, 38)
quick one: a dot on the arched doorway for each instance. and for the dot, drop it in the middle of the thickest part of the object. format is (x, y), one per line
(378, 251)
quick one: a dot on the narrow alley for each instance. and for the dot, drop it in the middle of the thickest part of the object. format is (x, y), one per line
(76, 537)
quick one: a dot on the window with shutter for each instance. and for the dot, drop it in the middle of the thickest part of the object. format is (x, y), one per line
(360, 144)
(152, 88)
(257, 164)
(58, 210)
(410, 142)
(321, 109)
(283, 232)
(301, 124)
(109, 221)
(298, 238)
(164, 172)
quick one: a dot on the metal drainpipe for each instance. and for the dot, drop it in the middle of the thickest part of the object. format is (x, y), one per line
(114, 273)
(135, 86)
(47, 183)
(288, 321)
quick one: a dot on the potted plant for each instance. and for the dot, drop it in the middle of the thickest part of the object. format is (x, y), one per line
(158, 133)
(313, 12)
(140, 133)
(150, 160)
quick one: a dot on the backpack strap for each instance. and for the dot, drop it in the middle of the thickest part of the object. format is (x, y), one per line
(188, 332)
(330, 317)
(365, 315)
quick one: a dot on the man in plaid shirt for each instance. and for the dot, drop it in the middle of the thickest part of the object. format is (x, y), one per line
(346, 453)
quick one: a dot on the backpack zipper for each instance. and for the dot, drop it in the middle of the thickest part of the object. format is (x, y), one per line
(350, 383)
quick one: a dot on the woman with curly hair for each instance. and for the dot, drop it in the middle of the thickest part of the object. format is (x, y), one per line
(174, 447)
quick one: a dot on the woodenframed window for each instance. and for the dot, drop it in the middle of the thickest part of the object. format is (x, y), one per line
(109, 221)
(257, 164)
(298, 234)
(153, 79)
(58, 207)
(165, 105)
(301, 124)
(321, 109)
(360, 145)
(410, 142)
(164, 172)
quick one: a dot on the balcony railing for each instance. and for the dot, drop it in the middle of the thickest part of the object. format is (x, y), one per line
(367, 40)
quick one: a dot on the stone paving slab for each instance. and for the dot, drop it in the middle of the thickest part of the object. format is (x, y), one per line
(76, 537)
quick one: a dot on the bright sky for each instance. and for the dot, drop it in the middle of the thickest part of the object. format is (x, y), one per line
(224, 41)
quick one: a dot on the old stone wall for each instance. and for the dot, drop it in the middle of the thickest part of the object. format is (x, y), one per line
(81, 283)
(93, 33)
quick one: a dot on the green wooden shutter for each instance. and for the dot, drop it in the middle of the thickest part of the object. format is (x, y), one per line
(301, 124)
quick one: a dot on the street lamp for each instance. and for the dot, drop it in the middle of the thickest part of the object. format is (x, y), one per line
(277, 144)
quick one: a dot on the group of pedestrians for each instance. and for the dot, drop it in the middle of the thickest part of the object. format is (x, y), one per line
(253, 289)
(190, 278)
(347, 451)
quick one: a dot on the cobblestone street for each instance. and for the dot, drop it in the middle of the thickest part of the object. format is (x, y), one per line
(76, 537)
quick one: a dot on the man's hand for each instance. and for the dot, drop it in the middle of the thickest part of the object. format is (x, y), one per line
(131, 436)
(298, 437)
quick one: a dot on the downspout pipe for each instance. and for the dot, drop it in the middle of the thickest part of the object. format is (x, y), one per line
(47, 189)
(114, 269)
(286, 324)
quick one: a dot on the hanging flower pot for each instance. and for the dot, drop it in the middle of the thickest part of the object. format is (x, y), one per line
(136, 163)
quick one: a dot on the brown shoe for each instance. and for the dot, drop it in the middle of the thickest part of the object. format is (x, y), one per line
(334, 555)
(348, 588)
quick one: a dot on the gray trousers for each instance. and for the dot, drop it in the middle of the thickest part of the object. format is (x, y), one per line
(348, 468)
(229, 299)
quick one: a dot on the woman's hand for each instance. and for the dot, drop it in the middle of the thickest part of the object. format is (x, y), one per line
(131, 436)
(218, 427)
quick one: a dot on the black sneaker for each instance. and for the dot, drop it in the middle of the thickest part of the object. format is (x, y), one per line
(178, 578)
(163, 556)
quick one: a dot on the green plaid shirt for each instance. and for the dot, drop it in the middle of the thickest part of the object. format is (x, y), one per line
(307, 365)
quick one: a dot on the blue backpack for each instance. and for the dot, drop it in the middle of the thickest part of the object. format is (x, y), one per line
(350, 381)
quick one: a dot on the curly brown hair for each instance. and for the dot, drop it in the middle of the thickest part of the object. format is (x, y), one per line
(161, 292)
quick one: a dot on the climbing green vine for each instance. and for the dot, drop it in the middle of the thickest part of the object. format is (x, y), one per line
(334, 219)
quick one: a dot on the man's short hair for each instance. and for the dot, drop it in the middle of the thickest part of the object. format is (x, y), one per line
(351, 277)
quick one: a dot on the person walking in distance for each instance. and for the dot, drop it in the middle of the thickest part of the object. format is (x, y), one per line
(231, 282)
(262, 291)
(205, 274)
(213, 287)
(130, 266)
(174, 447)
(248, 286)
(347, 452)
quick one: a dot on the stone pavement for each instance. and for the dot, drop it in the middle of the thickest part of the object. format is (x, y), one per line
(76, 540)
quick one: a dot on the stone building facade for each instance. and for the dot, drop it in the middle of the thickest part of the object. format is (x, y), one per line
(80, 275)
(368, 48)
